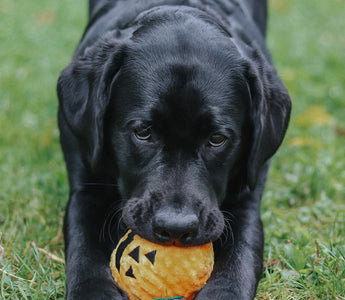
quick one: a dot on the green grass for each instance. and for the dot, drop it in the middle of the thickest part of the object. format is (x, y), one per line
(304, 205)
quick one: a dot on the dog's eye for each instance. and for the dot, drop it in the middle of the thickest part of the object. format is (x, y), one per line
(217, 140)
(143, 133)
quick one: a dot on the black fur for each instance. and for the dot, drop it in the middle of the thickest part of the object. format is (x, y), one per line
(169, 113)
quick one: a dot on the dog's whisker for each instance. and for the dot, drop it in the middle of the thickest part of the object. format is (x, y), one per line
(111, 225)
(97, 184)
(227, 234)
(110, 228)
(106, 229)
(119, 224)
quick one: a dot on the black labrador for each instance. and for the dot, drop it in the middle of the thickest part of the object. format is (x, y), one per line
(169, 114)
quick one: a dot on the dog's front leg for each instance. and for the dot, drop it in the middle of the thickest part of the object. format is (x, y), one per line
(238, 268)
(87, 255)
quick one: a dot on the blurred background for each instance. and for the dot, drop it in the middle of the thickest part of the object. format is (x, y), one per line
(303, 208)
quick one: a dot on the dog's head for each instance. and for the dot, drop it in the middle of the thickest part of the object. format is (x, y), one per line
(188, 115)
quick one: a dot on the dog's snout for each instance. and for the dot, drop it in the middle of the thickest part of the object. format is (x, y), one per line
(174, 228)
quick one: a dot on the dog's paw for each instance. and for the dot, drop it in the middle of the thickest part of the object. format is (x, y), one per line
(96, 290)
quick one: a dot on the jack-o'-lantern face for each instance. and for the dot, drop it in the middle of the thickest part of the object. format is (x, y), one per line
(148, 271)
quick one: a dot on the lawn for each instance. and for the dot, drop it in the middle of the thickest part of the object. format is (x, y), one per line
(303, 208)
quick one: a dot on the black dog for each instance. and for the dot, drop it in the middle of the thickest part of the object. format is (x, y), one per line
(169, 113)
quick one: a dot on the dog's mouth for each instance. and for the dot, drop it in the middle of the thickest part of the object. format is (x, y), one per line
(179, 239)
(168, 226)
(164, 238)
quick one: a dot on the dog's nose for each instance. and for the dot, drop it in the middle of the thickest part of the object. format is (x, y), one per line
(174, 228)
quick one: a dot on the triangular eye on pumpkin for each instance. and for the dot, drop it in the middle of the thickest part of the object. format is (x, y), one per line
(130, 273)
(151, 256)
(135, 254)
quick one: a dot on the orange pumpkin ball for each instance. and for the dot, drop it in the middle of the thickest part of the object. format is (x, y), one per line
(148, 271)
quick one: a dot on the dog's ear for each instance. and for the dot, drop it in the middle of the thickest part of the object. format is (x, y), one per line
(270, 113)
(84, 93)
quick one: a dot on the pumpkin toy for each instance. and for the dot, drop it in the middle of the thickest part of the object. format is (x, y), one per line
(148, 271)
